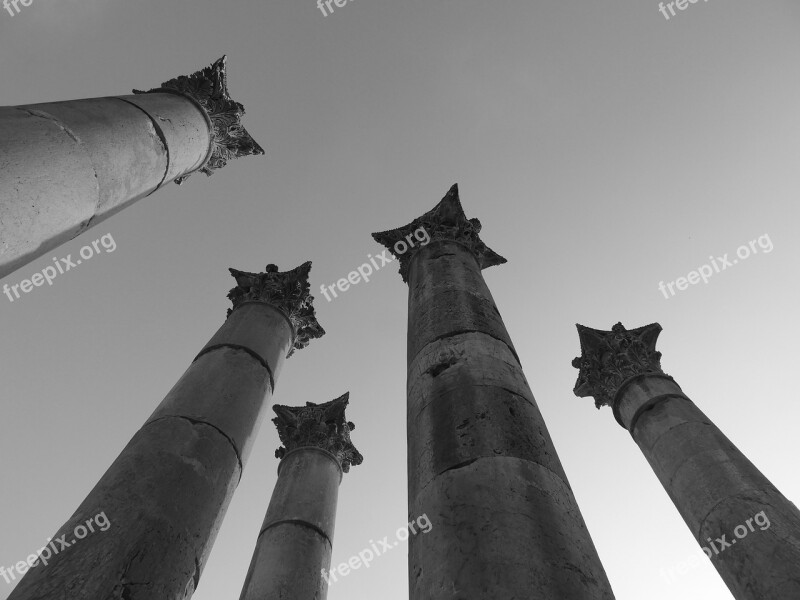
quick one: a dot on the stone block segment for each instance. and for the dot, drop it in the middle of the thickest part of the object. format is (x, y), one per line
(294, 545)
(167, 492)
(481, 463)
(67, 166)
(712, 483)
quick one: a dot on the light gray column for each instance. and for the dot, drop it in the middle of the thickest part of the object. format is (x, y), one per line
(481, 464)
(166, 494)
(294, 545)
(67, 166)
(747, 528)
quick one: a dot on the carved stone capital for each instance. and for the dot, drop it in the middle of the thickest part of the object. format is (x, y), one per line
(610, 357)
(287, 291)
(209, 88)
(445, 222)
(320, 426)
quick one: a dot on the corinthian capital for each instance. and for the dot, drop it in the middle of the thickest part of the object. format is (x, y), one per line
(209, 89)
(610, 357)
(445, 222)
(320, 426)
(287, 291)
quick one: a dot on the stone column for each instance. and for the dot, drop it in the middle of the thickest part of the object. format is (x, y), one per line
(481, 463)
(748, 529)
(166, 494)
(67, 166)
(294, 545)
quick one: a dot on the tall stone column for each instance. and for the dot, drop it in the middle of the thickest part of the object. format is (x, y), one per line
(166, 494)
(67, 166)
(748, 529)
(295, 542)
(481, 463)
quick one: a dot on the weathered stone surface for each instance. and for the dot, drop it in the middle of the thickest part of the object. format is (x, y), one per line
(296, 556)
(225, 388)
(288, 292)
(609, 358)
(306, 492)
(448, 362)
(260, 328)
(714, 486)
(68, 166)
(209, 89)
(165, 497)
(652, 386)
(184, 132)
(167, 492)
(37, 158)
(502, 528)
(481, 464)
(295, 542)
(475, 404)
(444, 222)
(448, 295)
(322, 426)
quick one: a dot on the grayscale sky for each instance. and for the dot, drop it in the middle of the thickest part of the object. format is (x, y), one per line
(604, 149)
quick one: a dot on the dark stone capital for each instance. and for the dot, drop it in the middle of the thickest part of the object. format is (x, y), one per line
(320, 426)
(209, 89)
(608, 358)
(445, 222)
(287, 291)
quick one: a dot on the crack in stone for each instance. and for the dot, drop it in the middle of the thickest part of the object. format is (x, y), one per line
(222, 433)
(465, 331)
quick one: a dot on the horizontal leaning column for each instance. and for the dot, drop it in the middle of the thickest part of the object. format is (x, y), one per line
(166, 494)
(714, 486)
(481, 463)
(67, 166)
(294, 545)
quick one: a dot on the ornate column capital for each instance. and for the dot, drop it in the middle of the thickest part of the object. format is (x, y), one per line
(608, 358)
(320, 426)
(445, 222)
(287, 291)
(209, 88)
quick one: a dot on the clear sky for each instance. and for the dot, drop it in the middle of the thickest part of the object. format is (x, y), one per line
(604, 148)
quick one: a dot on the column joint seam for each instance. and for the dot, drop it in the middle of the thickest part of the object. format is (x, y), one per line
(161, 137)
(494, 456)
(617, 399)
(296, 522)
(46, 115)
(463, 331)
(651, 403)
(245, 349)
(200, 421)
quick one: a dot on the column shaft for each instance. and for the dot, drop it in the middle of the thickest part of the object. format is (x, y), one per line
(293, 551)
(717, 489)
(746, 527)
(67, 166)
(167, 492)
(481, 463)
(295, 541)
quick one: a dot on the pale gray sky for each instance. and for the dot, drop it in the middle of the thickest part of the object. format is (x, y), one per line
(604, 149)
